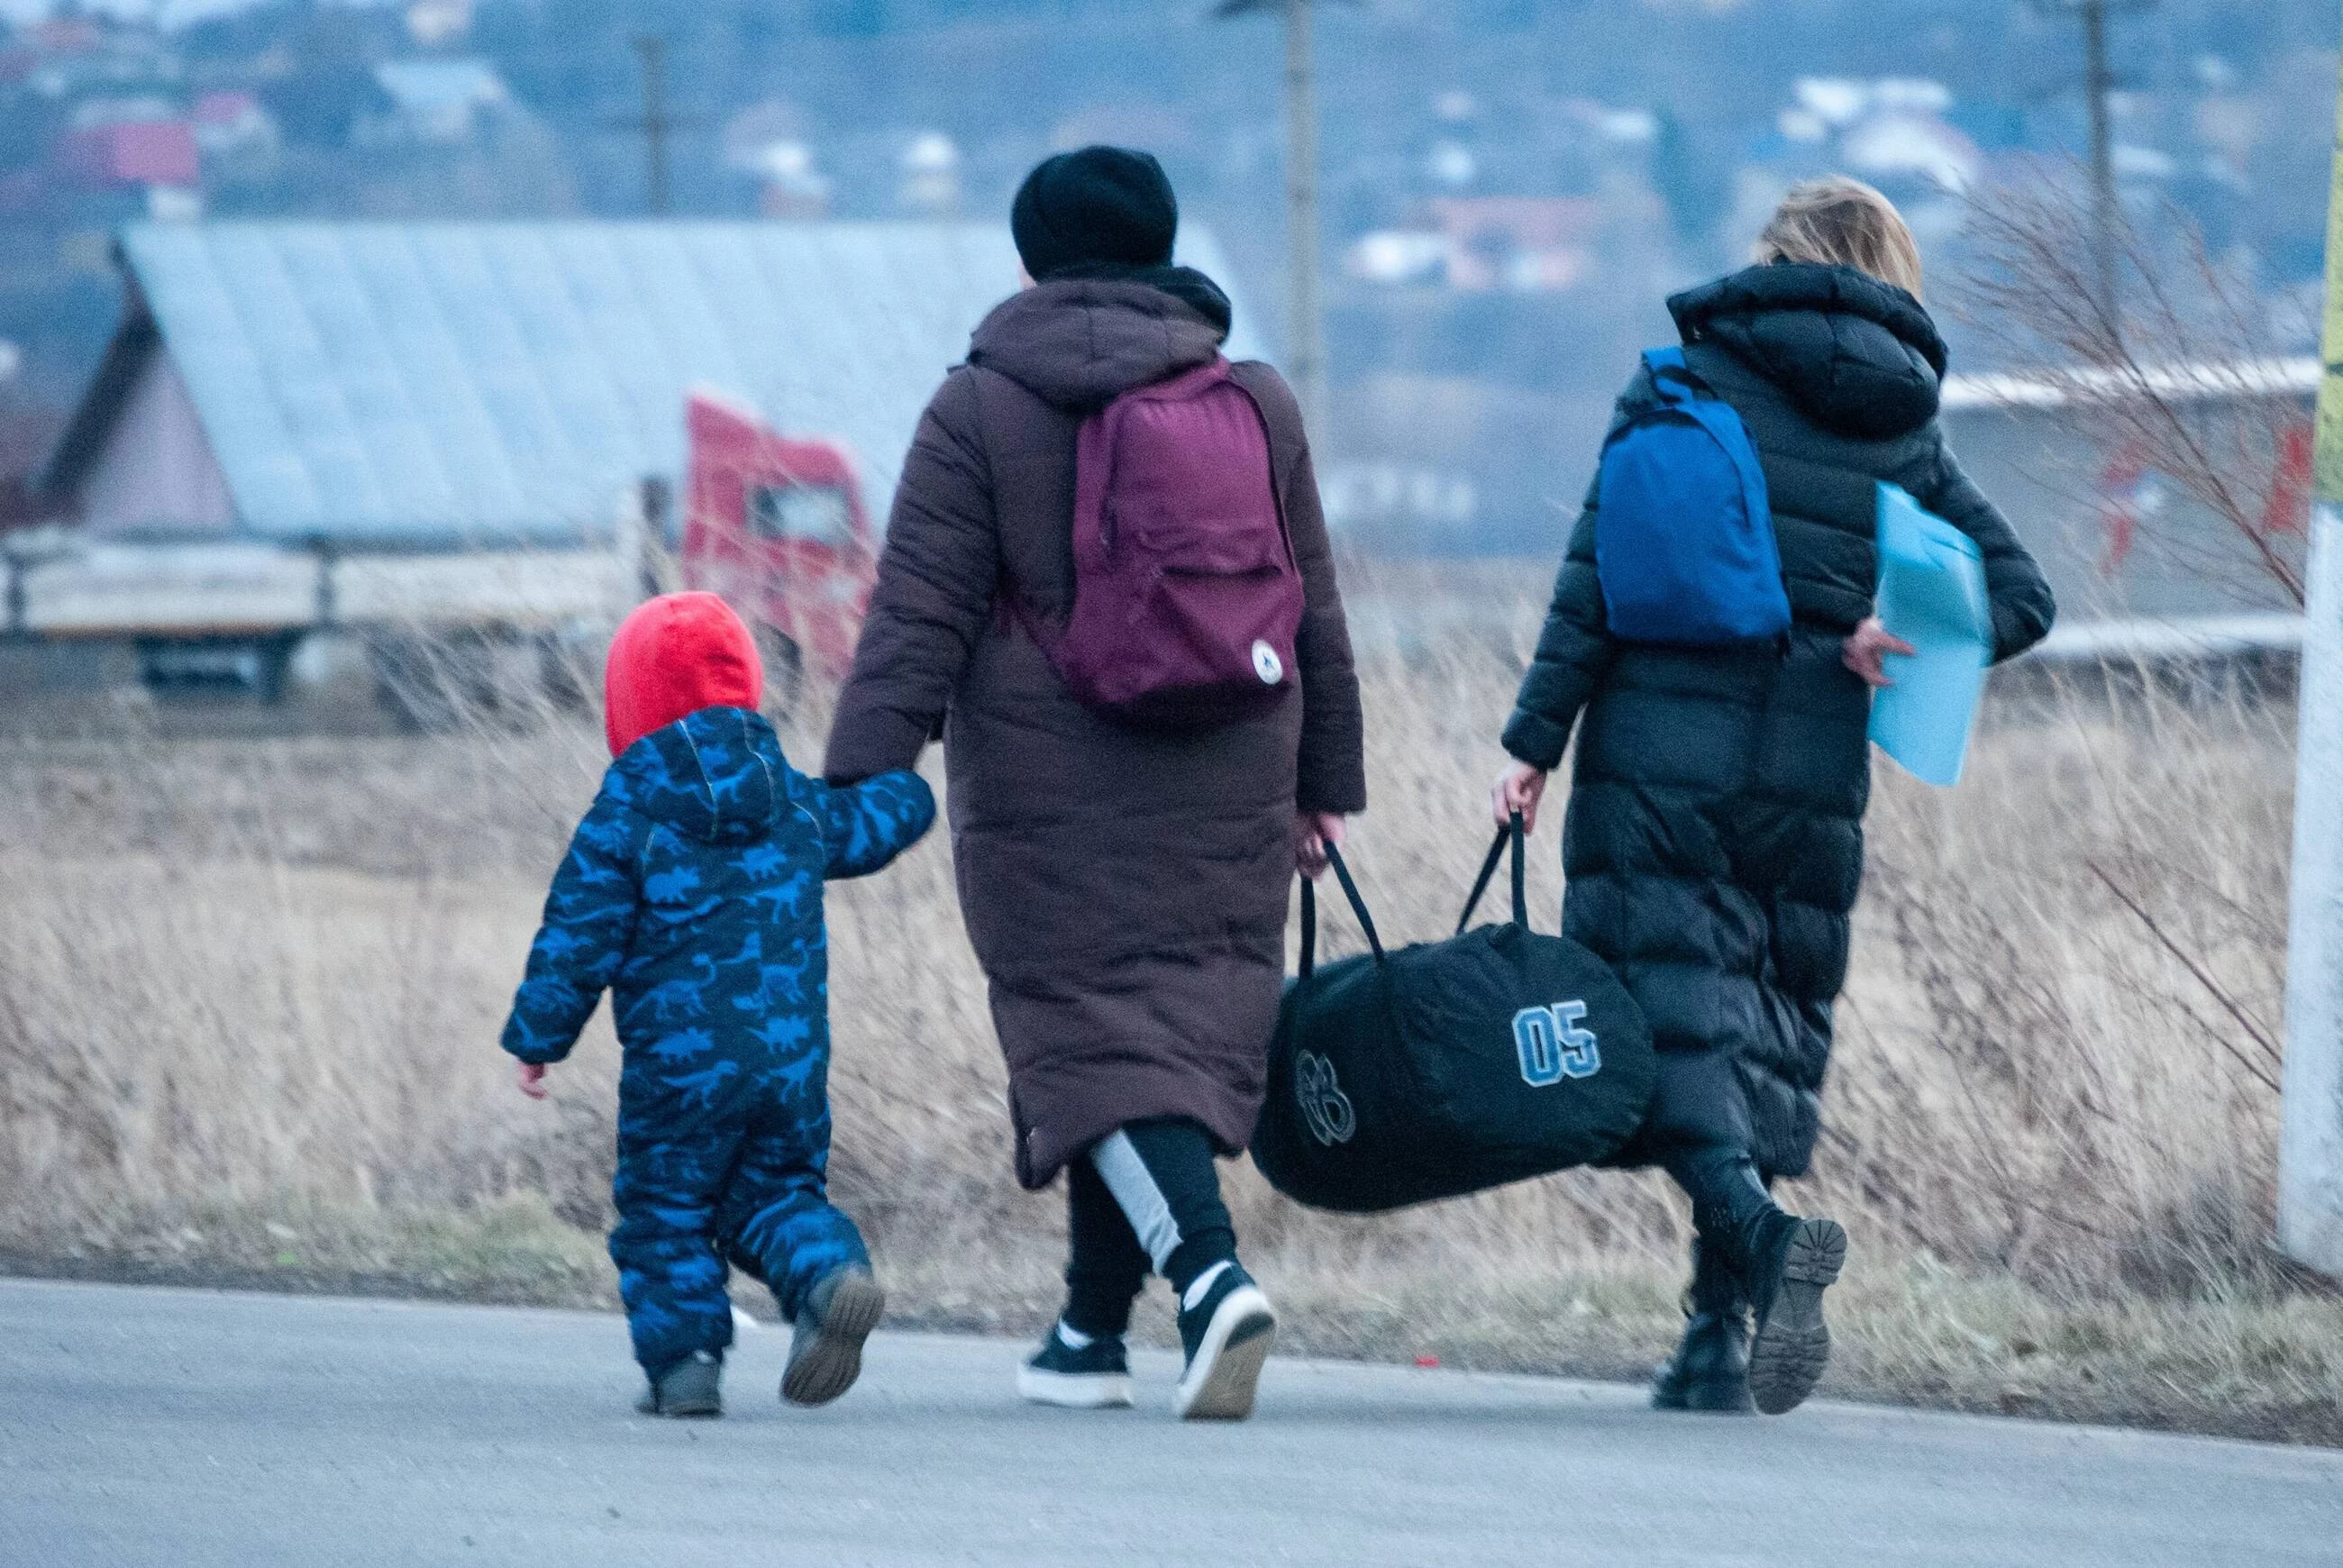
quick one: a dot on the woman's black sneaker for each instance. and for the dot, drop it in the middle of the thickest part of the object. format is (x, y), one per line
(1792, 1265)
(693, 1387)
(1094, 1376)
(1710, 1371)
(1227, 1335)
(826, 1352)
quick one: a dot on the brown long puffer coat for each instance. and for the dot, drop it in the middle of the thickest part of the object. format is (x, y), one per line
(1126, 890)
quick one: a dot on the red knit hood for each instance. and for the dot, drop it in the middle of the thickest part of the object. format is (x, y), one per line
(674, 656)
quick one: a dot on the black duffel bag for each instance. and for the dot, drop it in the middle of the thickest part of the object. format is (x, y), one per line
(1448, 1067)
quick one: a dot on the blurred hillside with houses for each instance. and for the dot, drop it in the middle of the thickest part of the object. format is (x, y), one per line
(1512, 186)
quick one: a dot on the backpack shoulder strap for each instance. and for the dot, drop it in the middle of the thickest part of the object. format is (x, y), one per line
(1180, 386)
(1261, 383)
(1275, 405)
(1674, 378)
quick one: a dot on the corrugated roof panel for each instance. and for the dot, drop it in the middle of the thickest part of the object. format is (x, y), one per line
(427, 381)
(306, 373)
(605, 288)
(562, 359)
(472, 281)
(467, 463)
(384, 392)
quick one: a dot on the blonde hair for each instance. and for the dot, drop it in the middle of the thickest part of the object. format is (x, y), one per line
(1842, 222)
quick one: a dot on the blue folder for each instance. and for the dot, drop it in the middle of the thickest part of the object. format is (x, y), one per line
(1932, 595)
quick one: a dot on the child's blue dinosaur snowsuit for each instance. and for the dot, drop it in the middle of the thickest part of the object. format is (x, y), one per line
(693, 890)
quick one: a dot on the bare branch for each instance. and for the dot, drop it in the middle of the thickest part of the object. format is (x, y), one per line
(2187, 961)
(2181, 380)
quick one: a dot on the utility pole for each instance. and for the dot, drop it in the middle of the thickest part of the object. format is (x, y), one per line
(2098, 84)
(1302, 213)
(2099, 89)
(1306, 344)
(2310, 1148)
(657, 124)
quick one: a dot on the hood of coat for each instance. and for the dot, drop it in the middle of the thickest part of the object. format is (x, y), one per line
(675, 655)
(716, 775)
(1080, 343)
(1858, 356)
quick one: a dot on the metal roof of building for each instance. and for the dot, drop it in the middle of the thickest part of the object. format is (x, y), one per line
(413, 382)
(2200, 382)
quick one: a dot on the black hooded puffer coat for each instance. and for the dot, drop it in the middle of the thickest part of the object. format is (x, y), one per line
(1714, 844)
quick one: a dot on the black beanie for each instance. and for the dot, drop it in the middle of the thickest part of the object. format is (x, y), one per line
(1099, 204)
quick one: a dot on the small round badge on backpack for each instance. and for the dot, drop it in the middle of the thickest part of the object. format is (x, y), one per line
(1266, 664)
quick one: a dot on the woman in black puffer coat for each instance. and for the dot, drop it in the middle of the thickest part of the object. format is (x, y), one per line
(1713, 842)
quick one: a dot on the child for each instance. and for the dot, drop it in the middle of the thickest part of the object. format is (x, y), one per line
(693, 892)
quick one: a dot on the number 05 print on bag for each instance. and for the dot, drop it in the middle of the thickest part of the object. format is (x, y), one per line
(1551, 1045)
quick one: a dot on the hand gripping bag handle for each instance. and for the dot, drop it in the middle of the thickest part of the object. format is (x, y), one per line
(1310, 913)
(1516, 835)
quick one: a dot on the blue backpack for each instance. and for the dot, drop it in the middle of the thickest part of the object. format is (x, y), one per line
(1684, 533)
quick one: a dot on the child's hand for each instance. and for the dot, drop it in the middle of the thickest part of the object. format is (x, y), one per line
(532, 1079)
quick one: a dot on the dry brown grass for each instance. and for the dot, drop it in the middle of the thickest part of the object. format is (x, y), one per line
(250, 992)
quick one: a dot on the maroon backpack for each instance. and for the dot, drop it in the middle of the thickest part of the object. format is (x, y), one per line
(1187, 597)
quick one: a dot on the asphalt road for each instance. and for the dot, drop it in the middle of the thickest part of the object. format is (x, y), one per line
(194, 1428)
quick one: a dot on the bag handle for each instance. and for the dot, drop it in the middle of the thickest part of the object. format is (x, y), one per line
(1516, 835)
(1310, 913)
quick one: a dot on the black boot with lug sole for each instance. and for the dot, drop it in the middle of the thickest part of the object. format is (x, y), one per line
(1794, 1261)
(1710, 1371)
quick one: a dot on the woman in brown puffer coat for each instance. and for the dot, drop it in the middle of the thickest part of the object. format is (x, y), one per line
(1125, 889)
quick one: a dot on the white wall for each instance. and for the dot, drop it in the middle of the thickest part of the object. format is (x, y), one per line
(156, 471)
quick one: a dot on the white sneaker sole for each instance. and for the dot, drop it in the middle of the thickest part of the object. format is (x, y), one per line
(1219, 1384)
(1075, 1391)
